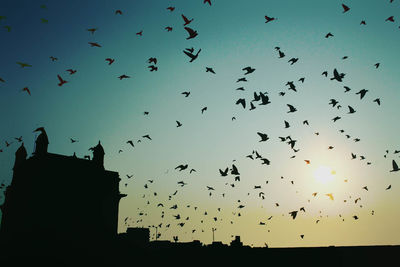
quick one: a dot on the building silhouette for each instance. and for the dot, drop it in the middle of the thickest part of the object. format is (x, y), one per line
(60, 200)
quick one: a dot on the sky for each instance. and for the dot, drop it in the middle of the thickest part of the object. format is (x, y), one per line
(96, 105)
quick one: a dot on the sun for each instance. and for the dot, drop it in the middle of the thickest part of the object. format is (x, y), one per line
(324, 174)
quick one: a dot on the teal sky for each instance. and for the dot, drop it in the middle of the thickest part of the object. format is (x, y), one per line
(95, 105)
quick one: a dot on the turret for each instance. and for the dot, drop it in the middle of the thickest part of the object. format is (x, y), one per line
(41, 142)
(98, 155)
(20, 156)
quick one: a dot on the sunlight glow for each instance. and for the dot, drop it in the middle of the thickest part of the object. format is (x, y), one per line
(324, 174)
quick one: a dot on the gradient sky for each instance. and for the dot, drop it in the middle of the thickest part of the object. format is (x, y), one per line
(95, 105)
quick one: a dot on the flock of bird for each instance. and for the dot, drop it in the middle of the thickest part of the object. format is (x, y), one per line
(259, 100)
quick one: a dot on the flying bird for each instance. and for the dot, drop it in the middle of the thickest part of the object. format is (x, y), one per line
(242, 80)
(71, 71)
(61, 80)
(152, 68)
(291, 108)
(378, 101)
(351, 110)
(263, 136)
(23, 65)
(293, 60)
(268, 19)
(181, 167)
(208, 69)
(123, 76)
(92, 30)
(110, 61)
(391, 19)
(241, 101)
(225, 172)
(362, 93)
(192, 33)
(26, 89)
(325, 73)
(395, 166)
(345, 8)
(248, 70)
(94, 44)
(147, 136)
(171, 8)
(130, 142)
(293, 214)
(178, 124)
(207, 1)
(118, 12)
(190, 54)
(140, 33)
(328, 35)
(187, 21)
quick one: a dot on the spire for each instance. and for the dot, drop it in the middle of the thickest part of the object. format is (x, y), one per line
(20, 156)
(98, 154)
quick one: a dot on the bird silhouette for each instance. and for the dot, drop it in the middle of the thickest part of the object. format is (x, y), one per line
(363, 22)
(61, 80)
(248, 70)
(140, 33)
(123, 76)
(362, 93)
(241, 101)
(391, 19)
(178, 124)
(242, 80)
(94, 44)
(345, 8)
(293, 60)
(336, 118)
(263, 136)
(336, 76)
(23, 65)
(377, 65)
(378, 101)
(351, 110)
(192, 33)
(281, 54)
(147, 136)
(395, 166)
(92, 30)
(26, 89)
(225, 172)
(287, 125)
(110, 61)
(302, 79)
(53, 58)
(130, 142)
(168, 28)
(190, 54)
(152, 68)
(293, 214)
(187, 21)
(118, 12)
(269, 19)
(207, 1)
(71, 71)
(171, 8)
(208, 69)
(387, 188)
(186, 94)
(291, 108)
(328, 35)
(325, 73)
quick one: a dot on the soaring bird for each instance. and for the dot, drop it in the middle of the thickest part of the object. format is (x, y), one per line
(234, 170)
(351, 110)
(61, 80)
(152, 68)
(26, 89)
(140, 33)
(333, 102)
(92, 30)
(110, 61)
(178, 124)
(171, 8)
(248, 70)
(391, 19)
(187, 21)
(123, 76)
(186, 94)
(225, 172)
(73, 140)
(395, 166)
(168, 28)
(325, 73)
(94, 44)
(71, 71)
(362, 93)
(241, 101)
(130, 142)
(346, 89)
(345, 8)
(181, 167)
(302, 79)
(287, 125)
(192, 33)
(263, 136)
(378, 101)
(147, 136)
(328, 35)
(291, 108)
(377, 65)
(293, 214)
(241, 80)
(208, 69)
(190, 54)
(293, 60)
(23, 65)
(336, 118)
(268, 19)
(336, 76)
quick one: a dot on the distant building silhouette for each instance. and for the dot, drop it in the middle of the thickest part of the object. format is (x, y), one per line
(55, 199)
